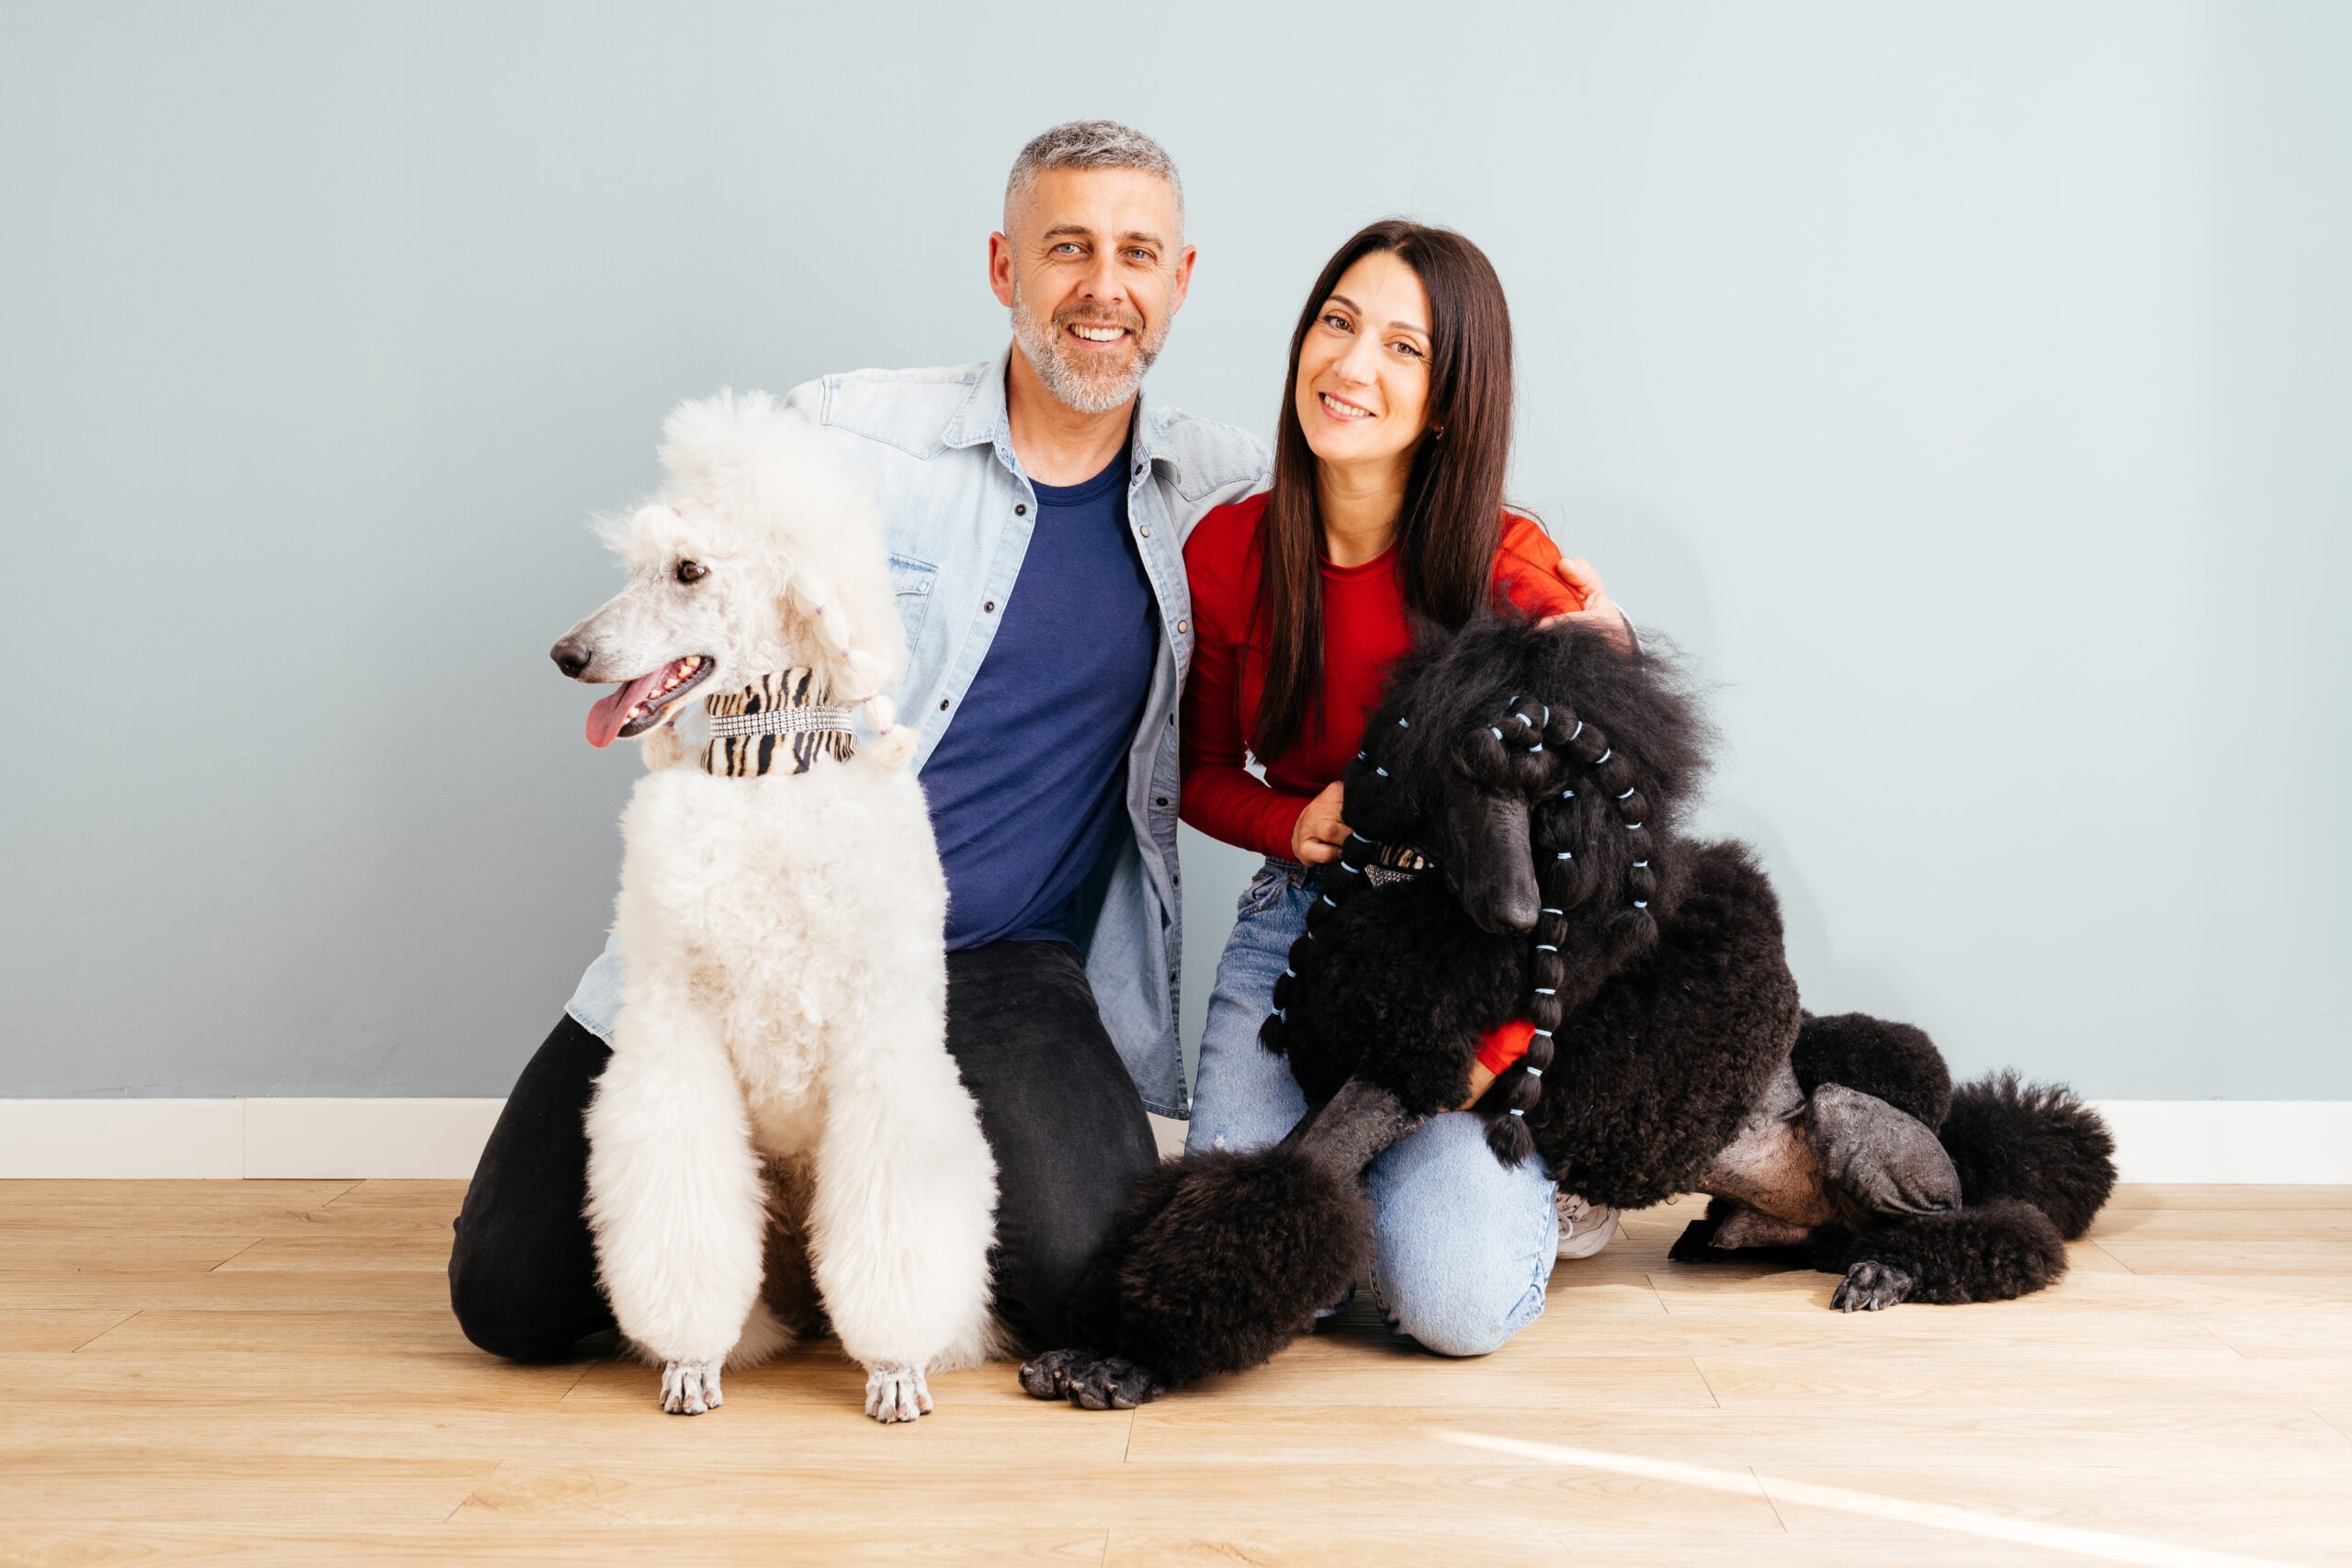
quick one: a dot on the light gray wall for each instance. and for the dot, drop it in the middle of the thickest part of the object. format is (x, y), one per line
(1963, 387)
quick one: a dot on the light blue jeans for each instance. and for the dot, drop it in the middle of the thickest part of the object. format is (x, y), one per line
(1461, 1248)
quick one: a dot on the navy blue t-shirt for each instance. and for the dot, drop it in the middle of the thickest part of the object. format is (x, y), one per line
(1028, 786)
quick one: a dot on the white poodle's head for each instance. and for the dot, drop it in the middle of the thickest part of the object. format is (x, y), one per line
(762, 553)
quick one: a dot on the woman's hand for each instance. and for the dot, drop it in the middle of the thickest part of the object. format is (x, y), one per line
(1598, 610)
(1315, 837)
(1482, 1076)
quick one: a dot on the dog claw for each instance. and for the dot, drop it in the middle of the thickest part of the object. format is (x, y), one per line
(1871, 1287)
(690, 1388)
(1047, 1376)
(894, 1393)
(1090, 1381)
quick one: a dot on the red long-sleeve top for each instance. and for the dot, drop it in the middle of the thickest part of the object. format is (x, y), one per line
(1363, 629)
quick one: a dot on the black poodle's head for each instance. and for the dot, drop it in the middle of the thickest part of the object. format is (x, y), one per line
(1538, 768)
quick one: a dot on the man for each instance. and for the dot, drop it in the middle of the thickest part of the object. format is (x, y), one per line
(1035, 510)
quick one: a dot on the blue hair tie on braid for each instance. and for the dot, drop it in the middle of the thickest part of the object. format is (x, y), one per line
(1549, 911)
(1606, 753)
(1515, 1111)
(1580, 729)
(1533, 1072)
(1628, 794)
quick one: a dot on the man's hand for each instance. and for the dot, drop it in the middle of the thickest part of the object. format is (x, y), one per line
(1598, 610)
(1315, 837)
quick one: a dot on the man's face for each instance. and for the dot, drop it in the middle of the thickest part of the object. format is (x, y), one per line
(1094, 267)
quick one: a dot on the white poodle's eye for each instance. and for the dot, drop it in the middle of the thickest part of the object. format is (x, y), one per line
(692, 571)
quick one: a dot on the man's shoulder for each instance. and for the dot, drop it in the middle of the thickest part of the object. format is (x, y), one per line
(908, 409)
(1213, 461)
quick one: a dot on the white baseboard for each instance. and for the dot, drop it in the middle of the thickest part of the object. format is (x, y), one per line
(2287, 1141)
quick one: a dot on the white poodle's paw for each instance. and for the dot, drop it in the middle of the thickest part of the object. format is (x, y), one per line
(689, 1388)
(896, 1393)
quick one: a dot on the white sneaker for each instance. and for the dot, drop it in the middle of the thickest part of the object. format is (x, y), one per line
(1585, 1228)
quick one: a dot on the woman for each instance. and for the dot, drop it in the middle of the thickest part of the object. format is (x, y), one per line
(1387, 499)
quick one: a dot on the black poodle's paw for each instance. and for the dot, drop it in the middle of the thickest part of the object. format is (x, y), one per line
(1697, 1245)
(1047, 1376)
(1869, 1286)
(1091, 1379)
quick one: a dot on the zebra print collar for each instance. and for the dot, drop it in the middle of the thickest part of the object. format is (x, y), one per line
(776, 724)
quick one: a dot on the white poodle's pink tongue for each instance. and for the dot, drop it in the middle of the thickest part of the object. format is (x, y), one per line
(605, 719)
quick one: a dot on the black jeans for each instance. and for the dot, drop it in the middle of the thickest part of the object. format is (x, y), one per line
(1057, 1105)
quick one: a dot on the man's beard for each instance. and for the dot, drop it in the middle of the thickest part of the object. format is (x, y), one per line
(1083, 387)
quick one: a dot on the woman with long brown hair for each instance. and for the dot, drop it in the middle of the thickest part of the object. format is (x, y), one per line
(1386, 507)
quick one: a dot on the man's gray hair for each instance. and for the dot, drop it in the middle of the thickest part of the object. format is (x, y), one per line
(1089, 144)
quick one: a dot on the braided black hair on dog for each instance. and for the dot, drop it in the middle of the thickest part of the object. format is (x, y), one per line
(1597, 868)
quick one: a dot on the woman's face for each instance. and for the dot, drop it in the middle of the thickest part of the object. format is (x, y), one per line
(1363, 371)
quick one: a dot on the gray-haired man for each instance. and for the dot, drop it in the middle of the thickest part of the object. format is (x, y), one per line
(1035, 509)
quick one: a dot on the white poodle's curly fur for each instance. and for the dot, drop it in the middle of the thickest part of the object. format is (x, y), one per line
(783, 1016)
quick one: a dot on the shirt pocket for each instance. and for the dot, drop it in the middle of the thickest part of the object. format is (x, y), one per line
(912, 581)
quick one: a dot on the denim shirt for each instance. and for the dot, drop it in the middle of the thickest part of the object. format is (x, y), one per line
(958, 513)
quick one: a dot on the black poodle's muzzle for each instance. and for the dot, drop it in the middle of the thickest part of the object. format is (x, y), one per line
(1487, 861)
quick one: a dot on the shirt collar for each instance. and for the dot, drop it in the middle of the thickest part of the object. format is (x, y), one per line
(981, 420)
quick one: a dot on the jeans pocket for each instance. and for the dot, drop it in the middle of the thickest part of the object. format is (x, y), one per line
(1264, 890)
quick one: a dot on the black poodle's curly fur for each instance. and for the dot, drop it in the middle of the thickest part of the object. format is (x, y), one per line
(2034, 1142)
(1541, 775)
(1894, 1061)
(2008, 1248)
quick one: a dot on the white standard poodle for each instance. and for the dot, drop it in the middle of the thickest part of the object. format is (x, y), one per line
(780, 1104)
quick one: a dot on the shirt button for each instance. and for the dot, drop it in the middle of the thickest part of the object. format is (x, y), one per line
(1021, 508)
(989, 606)
(1147, 530)
(943, 705)
(1183, 626)
(1159, 800)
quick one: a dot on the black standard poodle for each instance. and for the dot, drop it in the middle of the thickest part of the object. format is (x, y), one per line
(1517, 855)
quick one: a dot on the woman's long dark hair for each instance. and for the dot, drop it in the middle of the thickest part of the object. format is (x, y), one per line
(1451, 521)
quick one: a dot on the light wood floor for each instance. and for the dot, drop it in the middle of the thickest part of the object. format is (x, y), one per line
(268, 1372)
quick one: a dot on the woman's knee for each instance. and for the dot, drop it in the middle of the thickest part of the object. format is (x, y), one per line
(1461, 1248)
